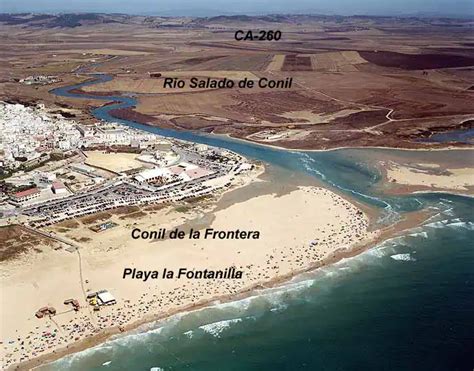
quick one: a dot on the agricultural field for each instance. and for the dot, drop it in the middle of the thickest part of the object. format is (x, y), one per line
(355, 80)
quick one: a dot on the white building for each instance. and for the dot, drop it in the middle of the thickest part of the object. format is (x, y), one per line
(86, 131)
(106, 298)
(58, 188)
(44, 177)
(20, 198)
(151, 175)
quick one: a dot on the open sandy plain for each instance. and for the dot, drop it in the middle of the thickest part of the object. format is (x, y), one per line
(116, 162)
(432, 176)
(409, 171)
(360, 81)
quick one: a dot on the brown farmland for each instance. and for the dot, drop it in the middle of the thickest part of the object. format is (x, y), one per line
(417, 61)
(296, 63)
(357, 81)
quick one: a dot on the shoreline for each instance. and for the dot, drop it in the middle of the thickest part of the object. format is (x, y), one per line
(106, 335)
(421, 175)
(410, 221)
(228, 199)
(445, 192)
(448, 148)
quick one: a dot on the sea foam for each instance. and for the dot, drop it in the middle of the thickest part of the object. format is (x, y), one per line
(189, 334)
(455, 223)
(216, 328)
(403, 257)
(419, 234)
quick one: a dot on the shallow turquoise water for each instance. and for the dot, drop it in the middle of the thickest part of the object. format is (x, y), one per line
(407, 304)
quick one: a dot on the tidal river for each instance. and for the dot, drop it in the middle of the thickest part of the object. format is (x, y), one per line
(406, 304)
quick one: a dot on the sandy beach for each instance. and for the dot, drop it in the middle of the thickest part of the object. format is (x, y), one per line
(432, 176)
(403, 171)
(298, 229)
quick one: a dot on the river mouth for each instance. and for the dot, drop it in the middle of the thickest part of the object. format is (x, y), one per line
(333, 168)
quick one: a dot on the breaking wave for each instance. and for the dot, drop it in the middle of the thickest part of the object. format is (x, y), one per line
(422, 234)
(453, 223)
(216, 328)
(403, 257)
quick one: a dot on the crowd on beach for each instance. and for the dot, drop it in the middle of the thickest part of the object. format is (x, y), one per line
(54, 333)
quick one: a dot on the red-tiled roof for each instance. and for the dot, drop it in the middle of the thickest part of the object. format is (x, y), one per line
(28, 192)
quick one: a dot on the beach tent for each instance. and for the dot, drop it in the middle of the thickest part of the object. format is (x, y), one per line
(106, 298)
(39, 314)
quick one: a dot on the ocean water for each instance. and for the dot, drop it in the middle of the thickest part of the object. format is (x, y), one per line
(407, 304)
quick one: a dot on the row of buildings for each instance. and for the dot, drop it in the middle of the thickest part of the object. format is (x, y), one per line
(113, 134)
(40, 80)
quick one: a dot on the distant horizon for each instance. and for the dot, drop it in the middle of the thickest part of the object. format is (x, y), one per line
(209, 8)
(171, 14)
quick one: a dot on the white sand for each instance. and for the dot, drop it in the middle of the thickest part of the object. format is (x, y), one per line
(428, 175)
(116, 162)
(287, 224)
